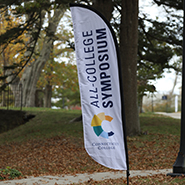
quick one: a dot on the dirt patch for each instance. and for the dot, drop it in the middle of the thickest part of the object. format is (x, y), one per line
(9, 119)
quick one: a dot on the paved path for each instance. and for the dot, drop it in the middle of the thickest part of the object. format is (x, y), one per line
(176, 115)
(68, 179)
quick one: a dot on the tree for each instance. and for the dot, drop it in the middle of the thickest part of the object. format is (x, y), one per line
(106, 7)
(32, 72)
(12, 34)
(168, 33)
(145, 74)
(178, 5)
(128, 50)
(64, 80)
(55, 72)
(35, 13)
(153, 49)
(67, 88)
(153, 57)
(11, 54)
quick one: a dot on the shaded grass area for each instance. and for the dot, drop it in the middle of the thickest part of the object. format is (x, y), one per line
(46, 124)
(10, 119)
(50, 144)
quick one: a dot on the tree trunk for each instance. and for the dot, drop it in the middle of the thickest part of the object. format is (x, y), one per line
(32, 72)
(170, 96)
(128, 50)
(3, 103)
(48, 86)
(140, 103)
(105, 7)
(39, 98)
(174, 84)
(47, 96)
(16, 88)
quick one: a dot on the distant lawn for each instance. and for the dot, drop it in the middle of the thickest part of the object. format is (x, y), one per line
(160, 124)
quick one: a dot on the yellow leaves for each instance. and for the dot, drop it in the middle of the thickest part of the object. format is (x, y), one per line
(14, 50)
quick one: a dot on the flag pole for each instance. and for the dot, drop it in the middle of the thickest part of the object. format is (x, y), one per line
(123, 112)
(124, 125)
(179, 165)
(77, 15)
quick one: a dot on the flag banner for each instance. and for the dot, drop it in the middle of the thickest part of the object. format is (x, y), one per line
(97, 62)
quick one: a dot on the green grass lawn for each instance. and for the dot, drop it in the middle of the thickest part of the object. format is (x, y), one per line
(52, 122)
(46, 124)
(156, 148)
(160, 124)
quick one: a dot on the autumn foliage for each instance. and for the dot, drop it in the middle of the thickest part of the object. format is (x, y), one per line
(64, 153)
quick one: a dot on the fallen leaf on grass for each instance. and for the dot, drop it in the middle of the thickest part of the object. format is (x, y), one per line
(53, 157)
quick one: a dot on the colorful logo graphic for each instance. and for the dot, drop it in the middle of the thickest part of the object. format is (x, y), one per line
(96, 124)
